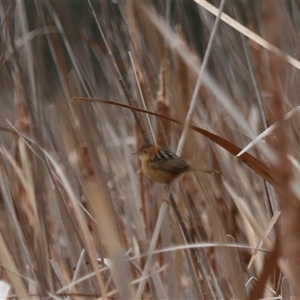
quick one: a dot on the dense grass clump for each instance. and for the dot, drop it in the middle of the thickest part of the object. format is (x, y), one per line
(83, 85)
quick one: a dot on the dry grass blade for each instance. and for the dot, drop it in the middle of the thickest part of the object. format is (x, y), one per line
(268, 131)
(25, 179)
(210, 245)
(11, 270)
(270, 227)
(177, 45)
(235, 272)
(152, 245)
(160, 291)
(120, 77)
(199, 80)
(79, 217)
(245, 211)
(248, 33)
(4, 290)
(109, 237)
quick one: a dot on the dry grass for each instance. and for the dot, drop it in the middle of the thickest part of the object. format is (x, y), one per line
(83, 86)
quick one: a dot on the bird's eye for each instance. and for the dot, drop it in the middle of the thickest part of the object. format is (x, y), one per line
(145, 151)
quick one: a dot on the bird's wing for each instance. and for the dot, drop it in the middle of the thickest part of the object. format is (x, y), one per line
(168, 161)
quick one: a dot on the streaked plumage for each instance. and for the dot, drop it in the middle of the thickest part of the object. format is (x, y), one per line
(162, 165)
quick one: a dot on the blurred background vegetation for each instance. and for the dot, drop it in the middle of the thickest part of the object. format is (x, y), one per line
(79, 220)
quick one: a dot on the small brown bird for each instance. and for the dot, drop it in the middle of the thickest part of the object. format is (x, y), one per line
(162, 165)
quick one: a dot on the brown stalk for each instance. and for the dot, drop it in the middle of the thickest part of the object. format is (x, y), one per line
(120, 78)
(162, 105)
(288, 227)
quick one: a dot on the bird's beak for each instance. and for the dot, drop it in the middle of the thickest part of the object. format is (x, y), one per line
(135, 153)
